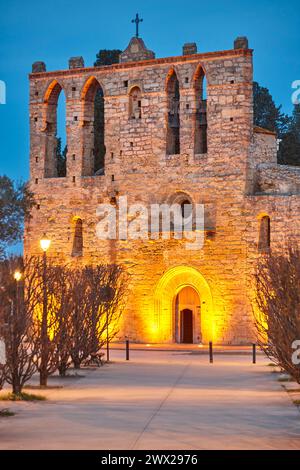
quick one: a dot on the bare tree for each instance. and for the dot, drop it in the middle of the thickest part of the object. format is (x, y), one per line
(277, 307)
(2, 355)
(2, 359)
(62, 325)
(50, 333)
(2, 376)
(83, 308)
(109, 299)
(28, 349)
(17, 306)
(97, 303)
(80, 321)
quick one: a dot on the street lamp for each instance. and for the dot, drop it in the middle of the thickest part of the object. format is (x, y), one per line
(45, 243)
(16, 309)
(17, 276)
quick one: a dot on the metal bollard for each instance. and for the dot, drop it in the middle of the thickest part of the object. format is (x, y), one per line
(107, 339)
(254, 353)
(127, 349)
(107, 351)
(211, 356)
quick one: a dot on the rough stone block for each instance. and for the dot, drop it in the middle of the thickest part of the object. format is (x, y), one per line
(38, 67)
(189, 48)
(76, 62)
(241, 43)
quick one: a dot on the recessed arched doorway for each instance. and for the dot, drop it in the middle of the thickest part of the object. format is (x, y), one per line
(186, 326)
(195, 296)
(187, 316)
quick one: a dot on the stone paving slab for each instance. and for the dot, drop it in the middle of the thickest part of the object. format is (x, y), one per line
(160, 400)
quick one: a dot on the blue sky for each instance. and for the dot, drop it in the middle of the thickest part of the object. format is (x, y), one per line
(54, 31)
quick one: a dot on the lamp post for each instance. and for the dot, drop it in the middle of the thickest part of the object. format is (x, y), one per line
(14, 331)
(45, 245)
(17, 278)
(107, 337)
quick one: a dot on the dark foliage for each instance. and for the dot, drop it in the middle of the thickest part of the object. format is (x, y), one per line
(15, 203)
(289, 153)
(107, 57)
(287, 128)
(17, 306)
(61, 159)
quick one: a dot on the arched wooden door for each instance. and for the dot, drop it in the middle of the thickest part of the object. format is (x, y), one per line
(186, 326)
(187, 316)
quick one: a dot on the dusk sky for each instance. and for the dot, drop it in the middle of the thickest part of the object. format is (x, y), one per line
(54, 31)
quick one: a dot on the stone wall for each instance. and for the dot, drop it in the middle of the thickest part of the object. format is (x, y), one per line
(263, 150)
(277, 179)
(137, 166)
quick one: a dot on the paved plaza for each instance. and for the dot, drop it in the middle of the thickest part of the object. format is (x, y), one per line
(159, 400)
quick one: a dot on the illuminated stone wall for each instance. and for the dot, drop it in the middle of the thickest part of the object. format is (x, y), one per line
(225, 179)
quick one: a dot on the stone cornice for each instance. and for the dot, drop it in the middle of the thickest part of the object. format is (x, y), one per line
(145, 63)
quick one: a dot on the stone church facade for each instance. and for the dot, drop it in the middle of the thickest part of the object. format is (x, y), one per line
(160, 139)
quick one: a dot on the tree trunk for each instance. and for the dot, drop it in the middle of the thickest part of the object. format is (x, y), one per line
(62, 370)
(43, 378)
(77, 363)
(16, 387)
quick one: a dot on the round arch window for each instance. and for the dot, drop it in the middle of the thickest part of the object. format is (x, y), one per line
(186, 209)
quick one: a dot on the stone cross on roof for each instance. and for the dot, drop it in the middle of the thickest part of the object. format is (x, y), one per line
(137, 20)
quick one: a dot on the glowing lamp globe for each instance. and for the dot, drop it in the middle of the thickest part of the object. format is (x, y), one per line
(45, 243)
(17, 276)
